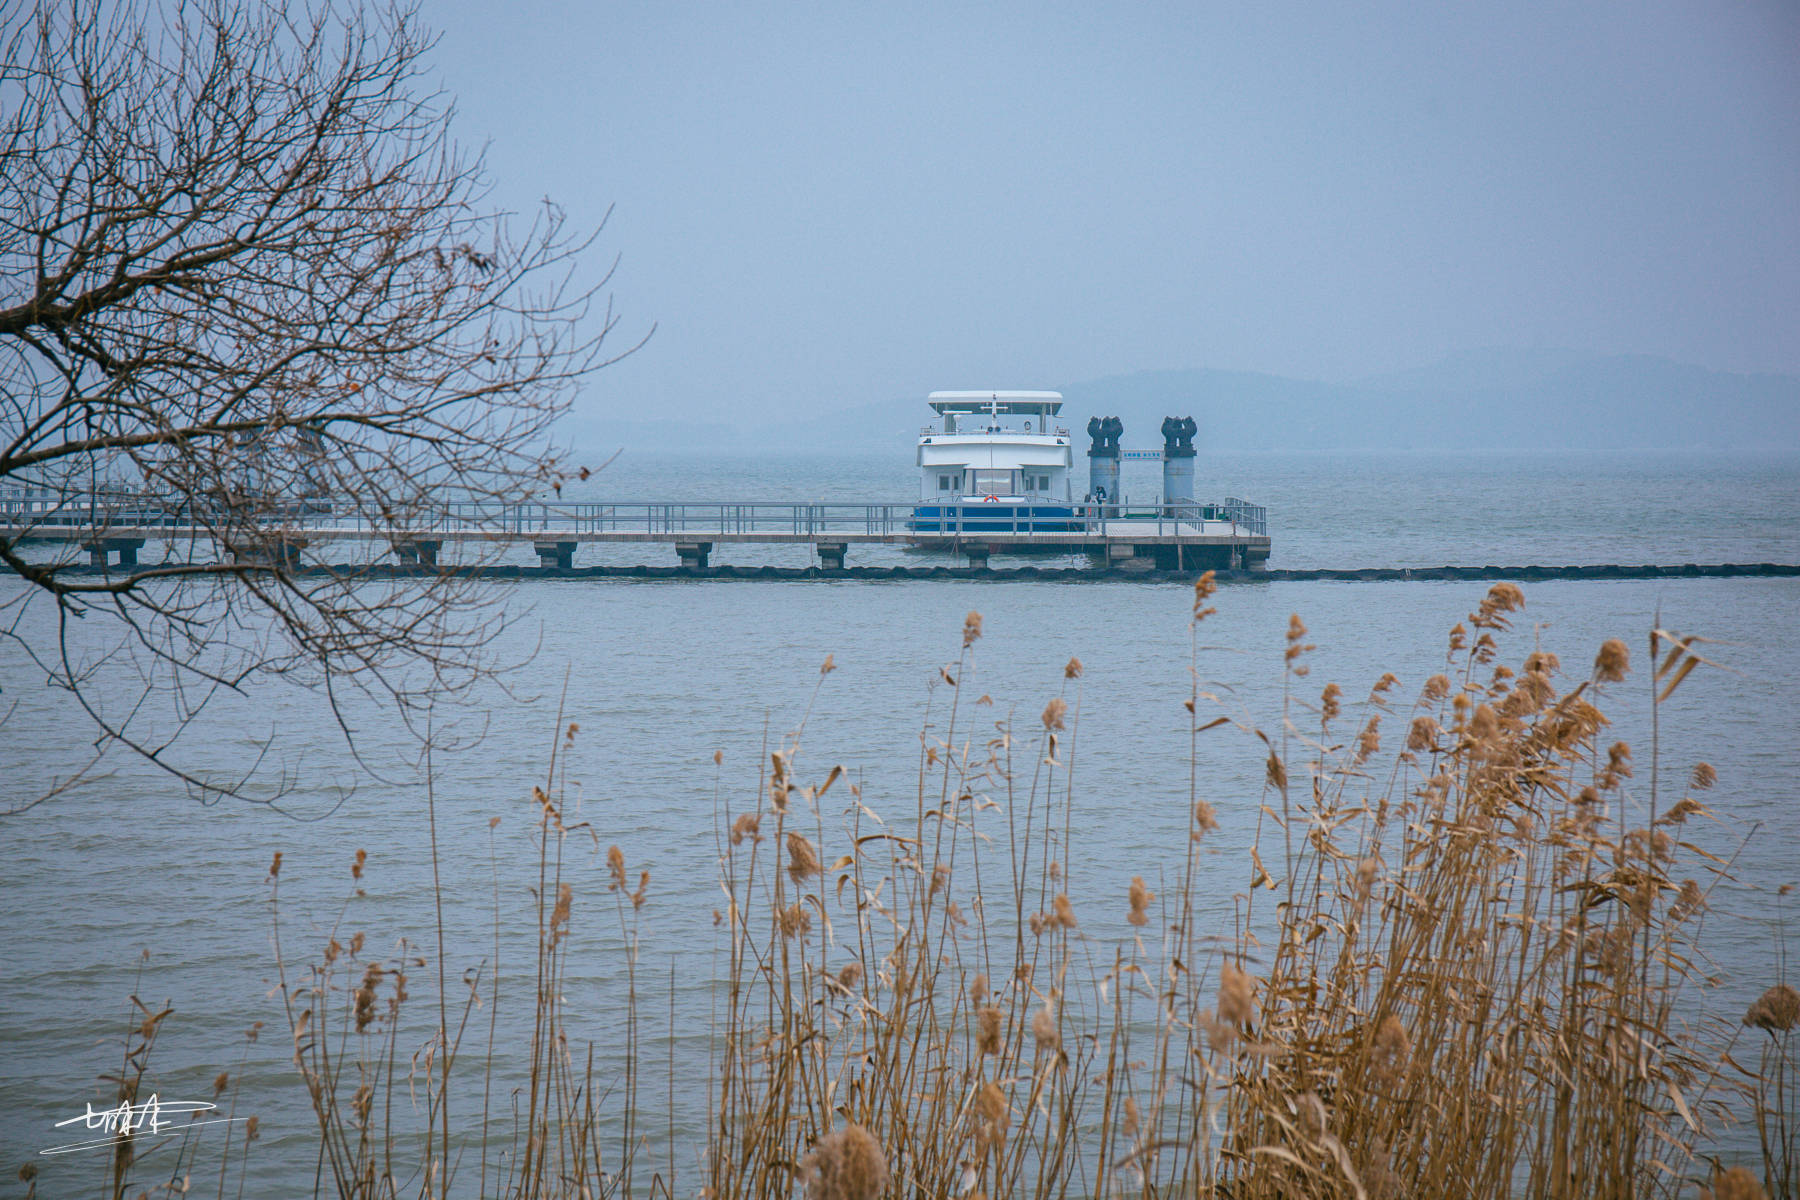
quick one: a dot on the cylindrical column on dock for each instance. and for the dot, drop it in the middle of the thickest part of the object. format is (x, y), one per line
(1103, 461)
(1178, 465)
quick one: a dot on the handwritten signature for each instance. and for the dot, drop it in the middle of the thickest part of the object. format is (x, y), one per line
(126, 1120)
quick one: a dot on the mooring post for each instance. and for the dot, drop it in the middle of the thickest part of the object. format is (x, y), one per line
(977, 553)
(560, 555)
(693, 554)
(831, 555)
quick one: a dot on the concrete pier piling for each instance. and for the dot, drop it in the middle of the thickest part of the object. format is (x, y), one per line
(281, 552)
(560, 555)
(414, 552)
(124, 547)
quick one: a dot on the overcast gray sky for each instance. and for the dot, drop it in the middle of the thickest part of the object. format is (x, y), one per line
(825, 205)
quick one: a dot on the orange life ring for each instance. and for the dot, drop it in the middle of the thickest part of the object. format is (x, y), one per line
(990, 499)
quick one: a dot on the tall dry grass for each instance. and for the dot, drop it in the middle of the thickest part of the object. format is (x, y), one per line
(385, 1119)
(1459, 958)
(1462, 967)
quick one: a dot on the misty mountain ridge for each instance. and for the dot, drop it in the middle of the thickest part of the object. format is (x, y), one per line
(1484, 400)
(1490, 399)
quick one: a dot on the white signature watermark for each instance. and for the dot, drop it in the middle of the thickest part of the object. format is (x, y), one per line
(125, 1120)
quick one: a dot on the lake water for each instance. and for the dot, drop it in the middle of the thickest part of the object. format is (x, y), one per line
(661, 674)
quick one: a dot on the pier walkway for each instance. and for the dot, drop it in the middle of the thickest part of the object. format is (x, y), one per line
(114, 526)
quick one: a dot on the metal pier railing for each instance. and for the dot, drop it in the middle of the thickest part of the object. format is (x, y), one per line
(59, 516)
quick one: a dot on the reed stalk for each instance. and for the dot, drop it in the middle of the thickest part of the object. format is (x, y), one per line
(1473, 973)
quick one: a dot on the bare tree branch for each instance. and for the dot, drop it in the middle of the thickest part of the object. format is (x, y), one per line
(248, 271)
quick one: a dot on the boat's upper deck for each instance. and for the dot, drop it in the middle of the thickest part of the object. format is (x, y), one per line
(992, 444)
(977, 413)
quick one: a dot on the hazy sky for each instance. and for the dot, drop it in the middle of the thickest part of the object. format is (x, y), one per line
(837, 204)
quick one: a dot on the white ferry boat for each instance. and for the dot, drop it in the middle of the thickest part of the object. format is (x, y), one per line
(995, 462)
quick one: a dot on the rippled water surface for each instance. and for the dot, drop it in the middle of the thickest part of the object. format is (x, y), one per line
(126, 886)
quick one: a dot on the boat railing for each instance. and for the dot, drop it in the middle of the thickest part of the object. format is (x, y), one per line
(1061, 431)
(974, 520)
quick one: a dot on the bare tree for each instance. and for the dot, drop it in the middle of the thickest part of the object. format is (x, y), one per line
(246, 271)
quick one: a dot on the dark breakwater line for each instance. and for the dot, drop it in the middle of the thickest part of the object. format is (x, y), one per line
(1057, 574)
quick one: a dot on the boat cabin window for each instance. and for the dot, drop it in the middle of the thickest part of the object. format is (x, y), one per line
(992, 483)
(947, 483)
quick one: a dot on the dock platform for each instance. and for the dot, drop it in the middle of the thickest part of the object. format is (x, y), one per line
(115, 527)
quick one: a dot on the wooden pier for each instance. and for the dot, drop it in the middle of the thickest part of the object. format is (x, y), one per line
(113, 528)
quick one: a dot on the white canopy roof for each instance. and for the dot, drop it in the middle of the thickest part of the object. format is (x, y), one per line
(1018, 404)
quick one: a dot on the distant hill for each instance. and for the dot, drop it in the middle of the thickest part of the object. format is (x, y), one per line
(1514, 400)
(1485, 399)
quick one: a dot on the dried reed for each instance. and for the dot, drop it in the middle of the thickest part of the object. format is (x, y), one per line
(1462, 969)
